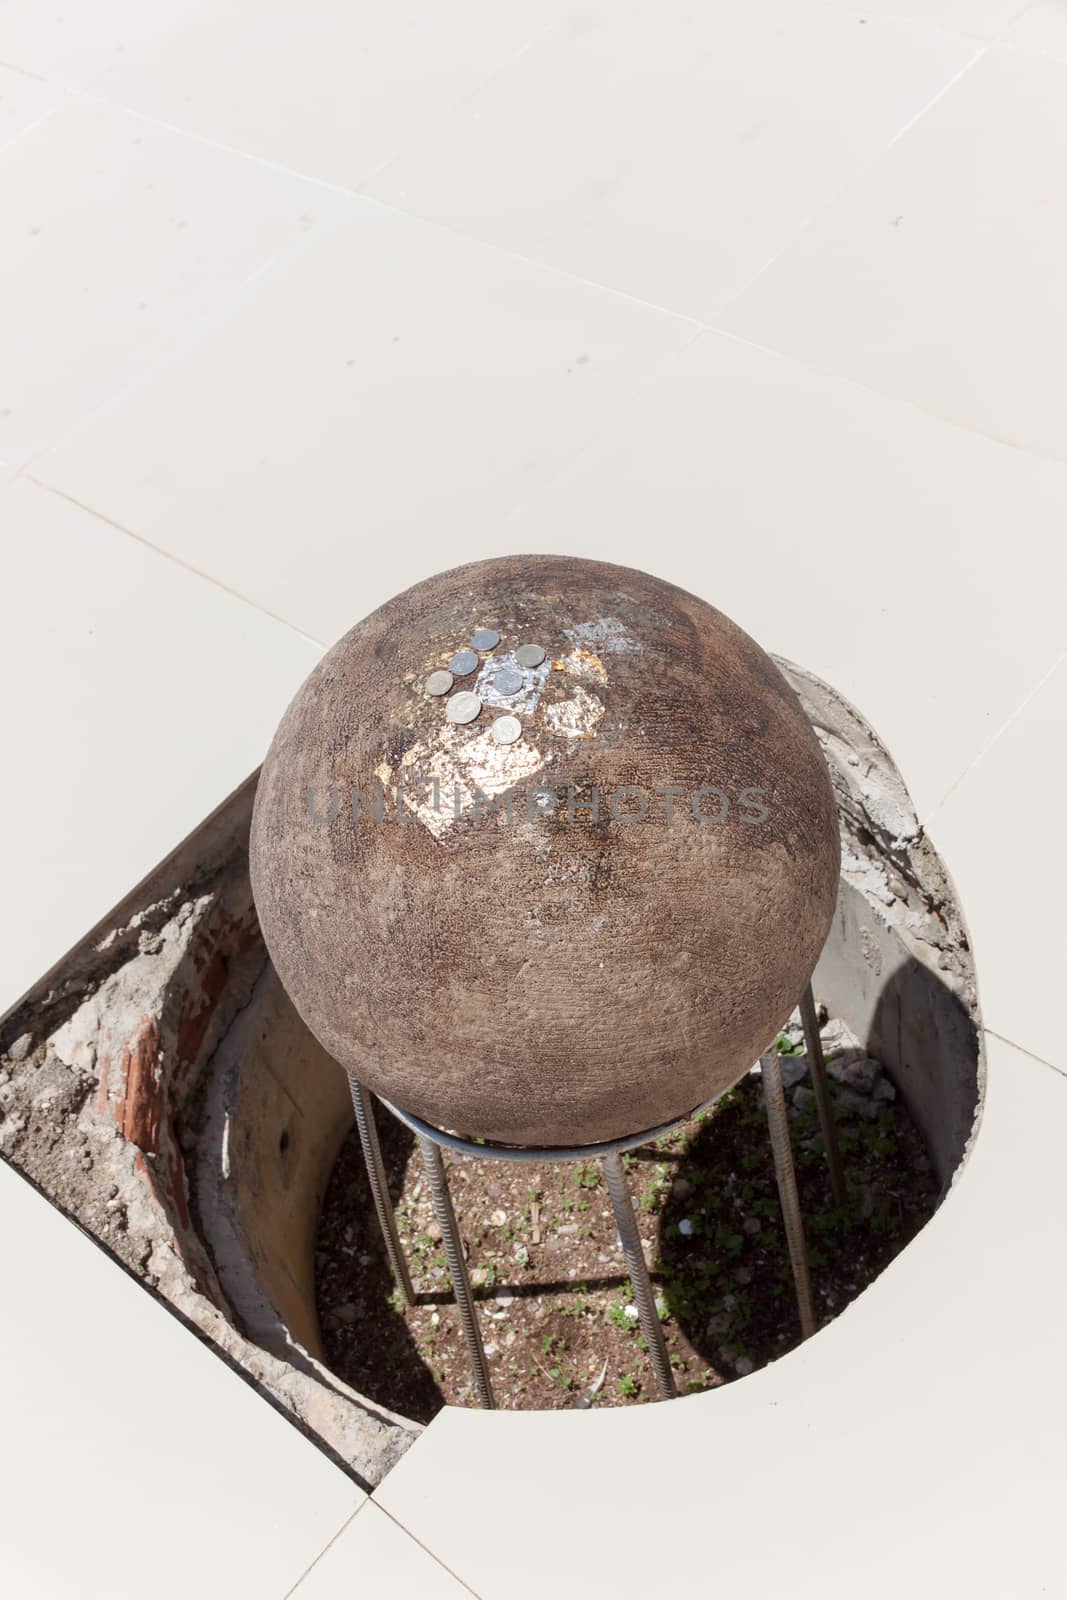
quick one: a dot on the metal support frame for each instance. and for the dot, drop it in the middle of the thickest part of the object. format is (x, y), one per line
(432, 1141)
(785, 1173)
(457, 1266)
(817, 1064)
(363, 1106)
(644, 1299)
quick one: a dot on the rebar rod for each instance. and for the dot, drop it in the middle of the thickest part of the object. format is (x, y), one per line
(363, 1106)
(644, 1299)
(785, 1173)
(457, 1266)
(817, 1066)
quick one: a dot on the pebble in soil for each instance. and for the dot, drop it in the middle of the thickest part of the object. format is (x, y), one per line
(555, 1304)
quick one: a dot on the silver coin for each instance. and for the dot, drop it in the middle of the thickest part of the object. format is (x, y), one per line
(485, 639)
(506, 730)
(439, 682)
(462, 662)
(463, 707)
(508, 681)
(529, 655)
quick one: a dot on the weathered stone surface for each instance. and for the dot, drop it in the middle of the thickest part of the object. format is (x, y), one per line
(557, 977)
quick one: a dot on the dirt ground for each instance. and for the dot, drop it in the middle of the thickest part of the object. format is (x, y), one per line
(555, 1303)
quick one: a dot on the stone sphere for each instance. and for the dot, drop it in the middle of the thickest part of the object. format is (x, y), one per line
(545, 850)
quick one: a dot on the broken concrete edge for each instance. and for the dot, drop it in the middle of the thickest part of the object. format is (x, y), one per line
(98, 1066)
(912, 994)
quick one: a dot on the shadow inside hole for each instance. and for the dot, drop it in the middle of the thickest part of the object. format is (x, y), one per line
(723, 1267)
(366, 1340)
(706, 1194)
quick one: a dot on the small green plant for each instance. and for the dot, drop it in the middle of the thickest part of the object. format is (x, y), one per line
(587, 1175)
(618, 1314)
(628, 1385)
(787, 1047)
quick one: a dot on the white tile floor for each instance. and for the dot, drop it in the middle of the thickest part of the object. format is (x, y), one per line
(938, 276)
(1041, 27)
(376, 401)
(676, 158)
(116, 235)
(137, 696)
(320, 299)
(133, 1459)
(997, 829)
(912, 564)
(327, 90)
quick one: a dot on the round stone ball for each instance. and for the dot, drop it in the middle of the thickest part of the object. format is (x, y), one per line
(569, 893)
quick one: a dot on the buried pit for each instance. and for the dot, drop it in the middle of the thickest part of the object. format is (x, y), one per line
(159, 1086)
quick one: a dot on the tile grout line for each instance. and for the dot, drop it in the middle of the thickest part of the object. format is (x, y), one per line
(532, 261)
(701, 323)
(361, 197)
(994, 739)
(980, 51)
(166, 555)
(347, 1523)
(1013, 1044)
(358, 193)
(38, 122)
(212, 144)
(24, 72)
(424, 1547)
(465, 99)
(794, 238)
(806, 364)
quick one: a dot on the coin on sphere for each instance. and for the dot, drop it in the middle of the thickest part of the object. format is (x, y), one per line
(463, 707)
(506, 730)
(577, 935)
